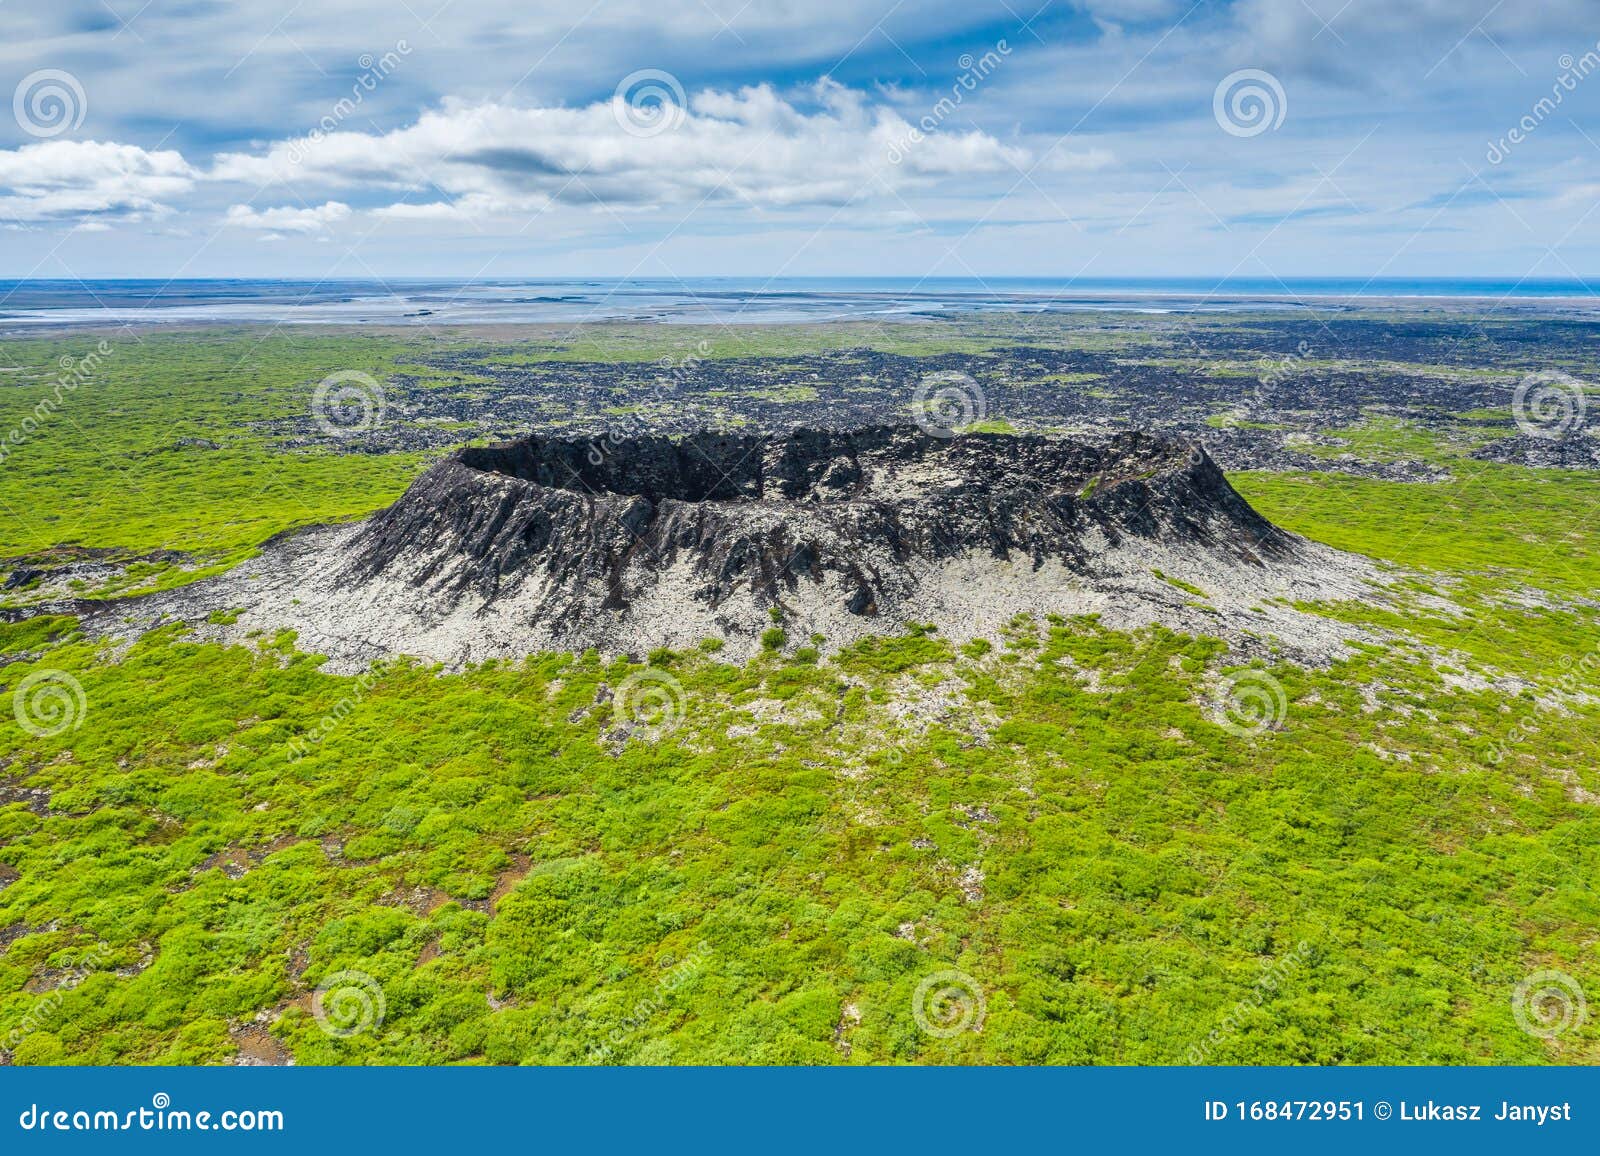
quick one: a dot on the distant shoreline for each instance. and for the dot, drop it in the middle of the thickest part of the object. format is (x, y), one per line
(39, 305)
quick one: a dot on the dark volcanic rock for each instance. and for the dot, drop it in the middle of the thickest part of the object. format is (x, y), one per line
(1575, 451)
(630, 545)
(859, 512)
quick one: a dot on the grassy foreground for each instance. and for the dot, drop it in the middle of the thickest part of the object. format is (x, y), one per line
(1066, 848)
(767, 869)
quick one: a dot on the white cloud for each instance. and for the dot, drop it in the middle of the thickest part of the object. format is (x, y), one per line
(751, 146)
(1385, 102)
(67, 179)
(1130, 10)
(287, 220)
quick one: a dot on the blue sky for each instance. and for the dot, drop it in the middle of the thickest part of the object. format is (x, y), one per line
(352, 138)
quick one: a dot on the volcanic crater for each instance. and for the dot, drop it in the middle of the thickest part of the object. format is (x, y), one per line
(599, 526)
(628, 544)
